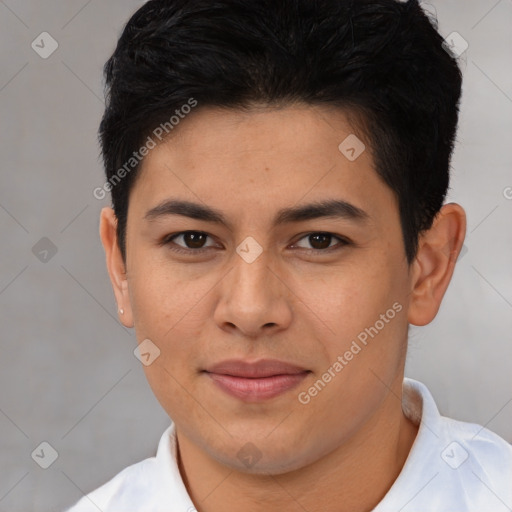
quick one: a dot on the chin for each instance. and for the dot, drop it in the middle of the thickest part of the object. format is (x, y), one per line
(264, 457)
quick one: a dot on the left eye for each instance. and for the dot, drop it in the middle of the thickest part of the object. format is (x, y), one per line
(322, 241)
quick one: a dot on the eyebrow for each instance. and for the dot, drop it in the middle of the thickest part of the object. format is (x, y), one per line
(333, 208)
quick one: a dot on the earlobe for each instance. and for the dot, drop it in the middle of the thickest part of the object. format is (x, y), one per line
(435, 261)
(115, 265)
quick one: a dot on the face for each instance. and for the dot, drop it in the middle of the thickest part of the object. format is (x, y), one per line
(277, 322)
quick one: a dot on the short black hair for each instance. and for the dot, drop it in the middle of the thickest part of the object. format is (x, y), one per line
(381, 60)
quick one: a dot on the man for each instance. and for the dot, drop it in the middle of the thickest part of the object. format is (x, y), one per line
(278, 171)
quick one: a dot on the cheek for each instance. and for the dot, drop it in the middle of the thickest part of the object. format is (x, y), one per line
(170, 316)
(349, 297)
(152, 306)
(171, 312)
(363, 306)
(161, 298)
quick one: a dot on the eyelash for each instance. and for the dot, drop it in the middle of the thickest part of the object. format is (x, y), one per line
(343, 242)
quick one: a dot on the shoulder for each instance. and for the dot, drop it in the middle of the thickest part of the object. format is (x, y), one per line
(477, 464)
(452, 465)
(131, 481)
(487, 455)
(459, 439)
(149, 485)
(463, 442)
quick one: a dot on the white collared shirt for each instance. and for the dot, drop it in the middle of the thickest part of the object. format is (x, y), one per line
(453, 466)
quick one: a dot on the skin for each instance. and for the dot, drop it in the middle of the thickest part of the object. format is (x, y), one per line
(343, 450)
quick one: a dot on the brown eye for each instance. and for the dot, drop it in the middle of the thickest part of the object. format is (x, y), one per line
(194, 240)
(322, 242)
(188, 241)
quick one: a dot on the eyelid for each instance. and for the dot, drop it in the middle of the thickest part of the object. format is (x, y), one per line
(169, 239)
(343, 241)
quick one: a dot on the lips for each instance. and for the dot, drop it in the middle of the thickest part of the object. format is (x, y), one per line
(256, 381)
(257, 369)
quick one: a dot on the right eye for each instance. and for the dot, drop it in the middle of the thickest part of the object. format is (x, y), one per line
(192, 242)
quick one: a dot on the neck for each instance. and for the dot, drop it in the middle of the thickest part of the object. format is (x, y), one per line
(354, 477)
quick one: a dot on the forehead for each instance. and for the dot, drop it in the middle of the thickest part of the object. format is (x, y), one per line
(262, 160)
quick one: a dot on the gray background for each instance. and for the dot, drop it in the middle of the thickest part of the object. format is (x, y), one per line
(67, 371)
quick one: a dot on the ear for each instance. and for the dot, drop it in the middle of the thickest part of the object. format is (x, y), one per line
(433, 267)
(115, 265)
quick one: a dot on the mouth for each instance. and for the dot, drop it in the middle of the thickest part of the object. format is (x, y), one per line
(256, 381)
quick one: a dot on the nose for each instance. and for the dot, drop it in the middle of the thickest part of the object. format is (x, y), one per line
(254, 299)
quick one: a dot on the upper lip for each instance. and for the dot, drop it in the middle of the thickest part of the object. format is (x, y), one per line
(255, 369)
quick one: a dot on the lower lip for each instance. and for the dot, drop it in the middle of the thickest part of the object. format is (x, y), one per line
(256, 390)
